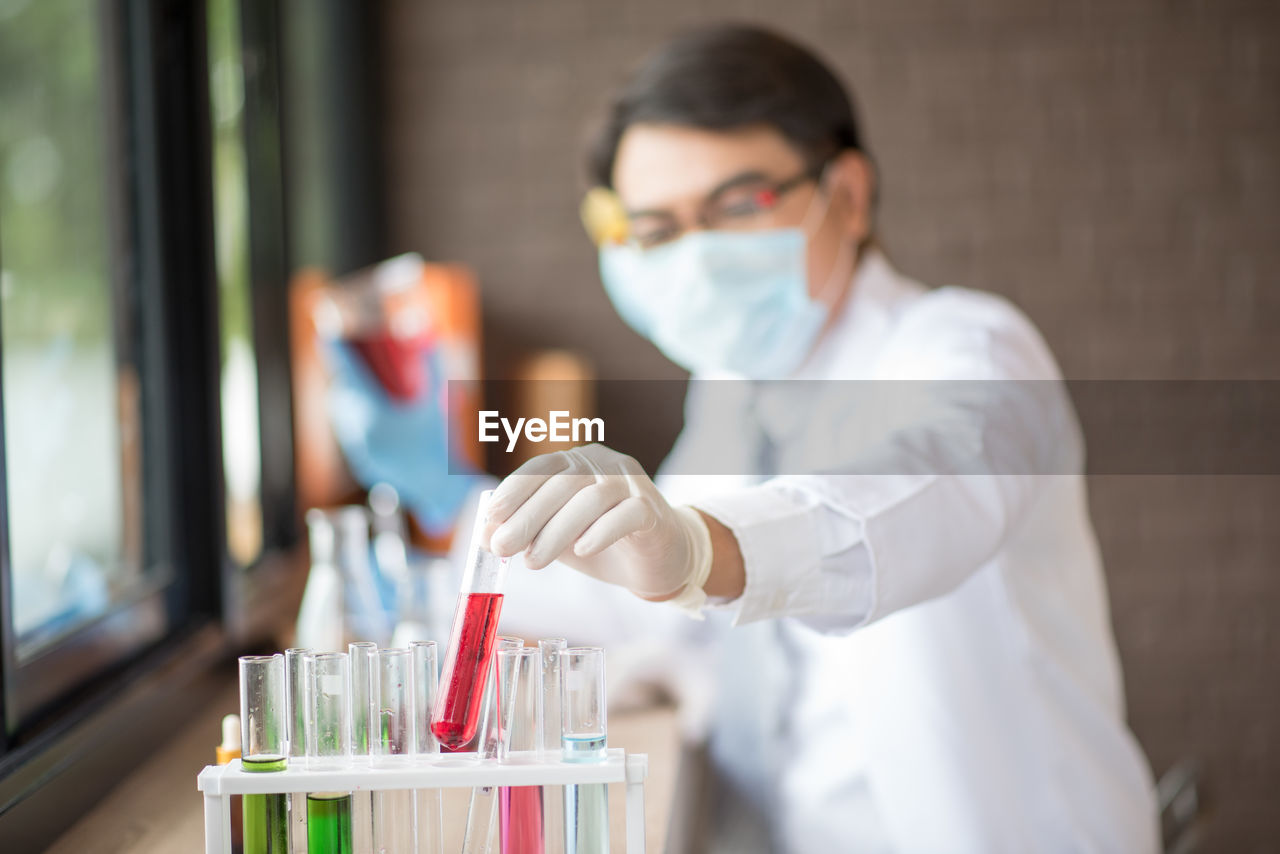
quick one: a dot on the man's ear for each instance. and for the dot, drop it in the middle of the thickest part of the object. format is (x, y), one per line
(853, 179)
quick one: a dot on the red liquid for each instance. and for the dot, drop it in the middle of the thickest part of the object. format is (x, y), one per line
(470, 658)
(520, 819)
(396, 362)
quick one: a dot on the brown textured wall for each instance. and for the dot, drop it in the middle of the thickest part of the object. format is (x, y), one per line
(1113, 167)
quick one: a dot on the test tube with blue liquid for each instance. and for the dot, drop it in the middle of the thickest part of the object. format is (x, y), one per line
(584, 739)
(264, 749)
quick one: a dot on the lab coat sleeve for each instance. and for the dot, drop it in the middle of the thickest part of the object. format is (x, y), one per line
(910, 518)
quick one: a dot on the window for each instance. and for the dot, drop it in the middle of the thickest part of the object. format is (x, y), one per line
(242, 451)
(70, 380)
(87, 571)
(146, 455)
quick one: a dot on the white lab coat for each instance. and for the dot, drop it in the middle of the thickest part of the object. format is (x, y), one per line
(921, 661)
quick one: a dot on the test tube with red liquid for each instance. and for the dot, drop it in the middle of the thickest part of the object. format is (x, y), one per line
(470, 655)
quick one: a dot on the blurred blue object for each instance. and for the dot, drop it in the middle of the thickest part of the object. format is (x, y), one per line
(70, 589)
(405, 444)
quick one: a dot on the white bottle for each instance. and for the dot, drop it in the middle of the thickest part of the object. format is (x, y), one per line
(320, 619)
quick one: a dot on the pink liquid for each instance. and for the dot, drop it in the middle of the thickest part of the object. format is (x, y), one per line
(520, 819)
(470, 658)
(396, 362)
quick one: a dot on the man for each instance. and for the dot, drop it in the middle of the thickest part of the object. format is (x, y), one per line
(921, 657)
(876, 502)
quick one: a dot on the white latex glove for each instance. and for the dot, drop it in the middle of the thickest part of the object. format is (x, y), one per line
(596, 510)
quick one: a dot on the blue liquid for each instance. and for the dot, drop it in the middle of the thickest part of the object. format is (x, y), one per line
(583, 748)
(586, 806)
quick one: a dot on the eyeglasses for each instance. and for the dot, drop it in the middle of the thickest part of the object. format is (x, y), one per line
(737, 204)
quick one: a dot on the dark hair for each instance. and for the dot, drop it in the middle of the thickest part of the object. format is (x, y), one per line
(732, 76)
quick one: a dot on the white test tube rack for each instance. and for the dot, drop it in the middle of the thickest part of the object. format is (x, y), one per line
(438, 771)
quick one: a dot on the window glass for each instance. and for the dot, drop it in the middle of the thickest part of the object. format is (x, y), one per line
(70, 390)
(242, 454)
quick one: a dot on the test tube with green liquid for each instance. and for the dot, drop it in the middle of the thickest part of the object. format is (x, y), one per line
(328, 732)
(265, 748)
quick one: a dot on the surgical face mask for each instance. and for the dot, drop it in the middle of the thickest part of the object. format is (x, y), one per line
(735, 301)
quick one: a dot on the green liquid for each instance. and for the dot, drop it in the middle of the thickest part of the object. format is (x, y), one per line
(265, 762)
(266, 817)
(328, 823)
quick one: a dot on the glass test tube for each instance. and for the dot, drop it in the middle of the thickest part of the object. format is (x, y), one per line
(393, 739)
(264, 747)
(584, 739)
(552, 796)
(520, 738)
(429, 804)
(481, 836)
(363, 656)
(490, 734)
(328, 729)
(296, 697)
(470, 654)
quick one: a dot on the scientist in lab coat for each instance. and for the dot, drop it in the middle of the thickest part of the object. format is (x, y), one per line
(896, 571)
(925, 661)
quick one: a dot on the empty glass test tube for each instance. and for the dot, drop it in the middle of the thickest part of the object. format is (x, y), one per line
(584, 739)
(470, 653)
(264, 748)
(552, 796)
(520, 739)
(481, 836)
(393, 831)
(428, 803)
(363, 658)
(296, 696)
(328, 731)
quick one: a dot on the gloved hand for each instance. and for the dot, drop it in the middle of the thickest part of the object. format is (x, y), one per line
(403, 443)
(596, 510)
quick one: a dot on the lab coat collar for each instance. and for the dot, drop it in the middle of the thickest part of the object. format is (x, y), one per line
(848, 350)
(848, 347)
(778, 411)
